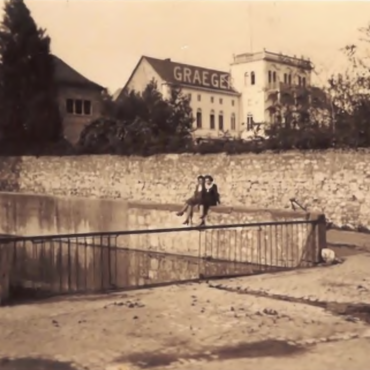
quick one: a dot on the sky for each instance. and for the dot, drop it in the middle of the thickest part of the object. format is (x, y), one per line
(104, 39)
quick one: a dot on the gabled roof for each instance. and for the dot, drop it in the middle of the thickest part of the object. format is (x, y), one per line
(65, 74)
(165, 69)
(117, 94)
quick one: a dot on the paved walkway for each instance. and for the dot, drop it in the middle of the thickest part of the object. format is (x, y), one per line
(236, 323)
(198, 326)
(338, 237)
(346, 283)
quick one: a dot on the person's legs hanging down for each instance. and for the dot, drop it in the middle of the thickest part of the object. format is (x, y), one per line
(203, 211)
(189, 215)
(183, 210)
(211, 198)
(195, 200)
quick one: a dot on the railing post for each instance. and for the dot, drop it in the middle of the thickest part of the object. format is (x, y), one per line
(321, 236)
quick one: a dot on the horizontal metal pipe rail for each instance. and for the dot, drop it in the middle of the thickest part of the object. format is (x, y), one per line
(102, 261)
(156, 231)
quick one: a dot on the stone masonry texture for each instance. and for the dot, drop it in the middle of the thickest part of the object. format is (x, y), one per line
(333, 182)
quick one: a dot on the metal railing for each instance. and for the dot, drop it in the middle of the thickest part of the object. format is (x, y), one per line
(80, 263)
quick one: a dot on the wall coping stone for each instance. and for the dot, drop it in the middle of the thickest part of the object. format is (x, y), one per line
(171, 207)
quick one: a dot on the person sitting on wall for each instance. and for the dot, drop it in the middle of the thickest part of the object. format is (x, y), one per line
(211, 197)
(196, 200)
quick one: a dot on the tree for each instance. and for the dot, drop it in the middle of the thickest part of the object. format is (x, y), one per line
(29, 111)
(300, 119)
(350, 93)
(141, 123)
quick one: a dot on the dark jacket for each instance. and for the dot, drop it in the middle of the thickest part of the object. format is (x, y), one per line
(211, 196)
(198, 196)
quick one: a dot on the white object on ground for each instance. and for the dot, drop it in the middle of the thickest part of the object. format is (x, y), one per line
(328, 255)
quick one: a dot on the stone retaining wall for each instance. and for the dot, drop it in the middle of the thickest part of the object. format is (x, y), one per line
(336, 183)
(258, 241)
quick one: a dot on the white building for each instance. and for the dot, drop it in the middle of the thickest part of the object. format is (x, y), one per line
(266, 79)
(214, 101)
(230, 103)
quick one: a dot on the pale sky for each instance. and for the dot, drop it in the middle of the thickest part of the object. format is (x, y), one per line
(104, 39)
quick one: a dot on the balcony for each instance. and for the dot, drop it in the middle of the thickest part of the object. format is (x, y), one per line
(284, 87)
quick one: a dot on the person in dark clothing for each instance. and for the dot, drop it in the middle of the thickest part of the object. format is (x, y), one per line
(196, 200)
(211, 197)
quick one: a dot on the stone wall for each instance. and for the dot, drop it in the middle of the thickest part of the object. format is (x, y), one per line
(273, 245)
(332, 182)
(151, 254)
(40, 214)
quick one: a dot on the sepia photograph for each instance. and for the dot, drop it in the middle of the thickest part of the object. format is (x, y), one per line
(184, 185)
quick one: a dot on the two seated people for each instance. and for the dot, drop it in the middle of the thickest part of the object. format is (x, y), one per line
(205, 196)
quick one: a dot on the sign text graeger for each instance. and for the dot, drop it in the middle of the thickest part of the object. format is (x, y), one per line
(194, 76)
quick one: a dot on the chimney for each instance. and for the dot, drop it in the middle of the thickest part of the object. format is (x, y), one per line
(167, 60)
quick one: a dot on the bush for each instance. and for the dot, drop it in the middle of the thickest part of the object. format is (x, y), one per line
(141, 124)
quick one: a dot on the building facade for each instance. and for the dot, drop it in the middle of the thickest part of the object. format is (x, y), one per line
(266, 79)
(254, 92)
(214, 102)
(80, 100)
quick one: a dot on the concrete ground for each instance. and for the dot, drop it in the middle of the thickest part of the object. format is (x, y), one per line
(293, 320)
(361, 241)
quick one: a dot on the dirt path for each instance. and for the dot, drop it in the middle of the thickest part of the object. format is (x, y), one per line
(308, 319)
(347, 238)
(198, 325)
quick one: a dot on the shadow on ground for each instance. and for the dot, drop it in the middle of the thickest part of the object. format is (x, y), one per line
(28, 363)
(359, 311)
(267, 348)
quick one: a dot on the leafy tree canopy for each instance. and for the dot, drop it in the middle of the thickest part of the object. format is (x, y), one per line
(141, 123)
(29, 111)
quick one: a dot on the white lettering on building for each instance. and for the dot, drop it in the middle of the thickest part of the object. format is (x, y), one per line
(197, 79)
(177, 73)
(215, 80)
(204, 78)
(187, 75)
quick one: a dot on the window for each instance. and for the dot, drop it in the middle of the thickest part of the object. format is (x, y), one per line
(253, 78)
(78, 107)
(303, 81)
(246, 76)
(70, 106)
(212, 120)
(199, 97)
(233, 122)
(189, 97)
(249, 122)
(221, 121)
(199, 118)
(285, 78)
(290, 79)
(272, 77)
(232, 102)
(212, 99)
(221, 101)
(299, 81)
(87, 107)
